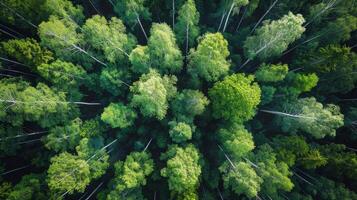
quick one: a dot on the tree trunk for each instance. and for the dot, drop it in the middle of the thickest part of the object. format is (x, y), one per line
(220, 23)
(260, 20)
(229, 13)
(141, 26)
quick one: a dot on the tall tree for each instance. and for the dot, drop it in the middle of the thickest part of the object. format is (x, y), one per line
(209, 60)
(235, 98)
(187, 29)
(118, 115)
(182, 169)
(152, 92)
(274, 37)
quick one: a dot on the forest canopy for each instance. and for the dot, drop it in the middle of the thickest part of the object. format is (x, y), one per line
(178, 99)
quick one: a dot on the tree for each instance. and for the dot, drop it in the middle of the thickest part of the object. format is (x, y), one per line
(59, 36)
(187, 29)
(209, 60)
(182, 169)
(131, 174)
(29, 10)
(339, 30)
(92, 150)
(64, 9)
(109, 37)
(327, 189)
(27, 51)
(30, 187)
(310, 116)
(189, 103)
(64, 138)
(241, 178)
(163, 50)
(336, 66)
(180, 132)
(274, 37)
(152, 92)
(68, 173)
(140, 59)
(236, 140)
(118, 115)
(235, 98)
(237, 4)
(114, 80)
(271, 72)
(131, 11)
(275, 174)
(21, 102)
(63, 75)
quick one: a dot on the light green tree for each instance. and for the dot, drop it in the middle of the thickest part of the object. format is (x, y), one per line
(274, 37)
(209, 60)
(235, 98)
(117, 115)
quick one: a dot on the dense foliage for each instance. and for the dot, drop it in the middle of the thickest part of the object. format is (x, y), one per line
(178, 99)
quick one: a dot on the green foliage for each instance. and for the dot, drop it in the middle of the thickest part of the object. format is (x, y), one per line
(236, 140)
(189, 103)
(336, 66)
(30, 187)
(118, 115)
(152, 92)
(130, 10)
(235, 98)
(21, 102)
(59, 36)
(109, 37)
(182, 169)
(271, 73)
(273, 37)
(330, 190)
(180, 132)
(209, 59)
(275, 174)
(312, 117)
(131, 174)
(64, 138)
(187, 29)
(163, 50)
(140, 59)
(93, 99)
(64, 75)
(27, 51)
(240, 178)
(68, 173)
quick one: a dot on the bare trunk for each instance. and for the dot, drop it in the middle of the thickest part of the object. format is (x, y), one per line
(46, 102)
(91, 194)
(220, 23)
(14, 170)
(148, 144)
(260, 20)
(141, 26)
(229, 13)
(173, 14)
(287, 114)
(241, 19)
(187, 29)
(23, 135)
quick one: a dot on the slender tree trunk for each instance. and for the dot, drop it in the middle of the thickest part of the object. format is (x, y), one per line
(141, 26)
(148, 144)
(286, 114)
(241, 19)
(173, 14)
(260, 20)
(220, 23)
(47, 102)
(228, 15)
(23, 135)
(187, 29)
